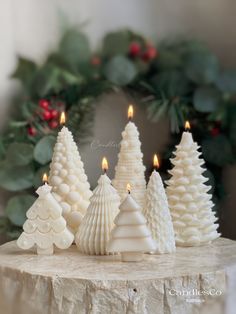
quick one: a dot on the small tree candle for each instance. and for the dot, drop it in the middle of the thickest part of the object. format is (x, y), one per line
(131, 236)
(45, 225)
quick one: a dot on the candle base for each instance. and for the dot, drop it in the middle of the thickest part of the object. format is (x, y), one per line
(131, 257)
(48, 251)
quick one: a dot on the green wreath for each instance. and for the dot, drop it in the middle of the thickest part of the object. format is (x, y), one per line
(181, 80)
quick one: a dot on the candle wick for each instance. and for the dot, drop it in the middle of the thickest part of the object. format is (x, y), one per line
(128, 191)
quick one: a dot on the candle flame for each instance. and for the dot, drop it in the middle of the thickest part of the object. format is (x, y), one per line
(130, 112)
(156, 163)
(104, 164)
(128, 187)
(45, 178)
(187, 125)
(62, 118)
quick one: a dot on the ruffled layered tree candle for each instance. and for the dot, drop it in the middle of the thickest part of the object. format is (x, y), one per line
(189, 200)
(130, 166)
(45, 225)
(95, 228)
(131, 236)
(68, 179)
(156, 211)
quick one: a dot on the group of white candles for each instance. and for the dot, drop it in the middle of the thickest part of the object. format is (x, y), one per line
(101, 225)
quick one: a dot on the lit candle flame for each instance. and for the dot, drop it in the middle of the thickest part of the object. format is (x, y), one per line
(187, 126)
(45, 178)
(104, 164)
(62, 118)
(128, 187)
(130, 112)
(156, 163)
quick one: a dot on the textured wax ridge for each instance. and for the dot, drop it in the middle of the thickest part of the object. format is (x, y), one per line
(130, 168)
(189, 201)
(131, 233)
(68, 179)
(158, 216)
(95, 228)
(45, 224)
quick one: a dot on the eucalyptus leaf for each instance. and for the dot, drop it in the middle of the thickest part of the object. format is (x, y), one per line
(120, 70)
(25, 71)
(17, 207)
(20, 154)
(202, 68)
(116, 43)
(74, 47)
(172, 83)
(217, 150)
(16, 178)
(44, 149)
(206, 99)
(226, 81)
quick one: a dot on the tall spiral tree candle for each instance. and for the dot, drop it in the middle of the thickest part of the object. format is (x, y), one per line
(130, 166)
(68, 179)
(95, 228)
(189, 200)
(156, 211)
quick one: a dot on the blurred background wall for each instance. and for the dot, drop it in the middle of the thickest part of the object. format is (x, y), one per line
(31, 28)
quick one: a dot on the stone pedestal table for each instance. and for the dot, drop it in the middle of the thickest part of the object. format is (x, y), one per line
(193, 280)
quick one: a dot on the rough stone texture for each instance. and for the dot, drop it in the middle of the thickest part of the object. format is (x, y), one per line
(71, 283)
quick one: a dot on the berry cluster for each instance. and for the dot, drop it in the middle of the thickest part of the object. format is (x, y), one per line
(146, 52)
(46, 113)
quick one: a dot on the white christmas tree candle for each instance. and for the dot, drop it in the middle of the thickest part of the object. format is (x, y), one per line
(130, 166)
(95, 228)
(156, 211)
(189, 201)
(131, 236)
(68, 179)
(45, 225)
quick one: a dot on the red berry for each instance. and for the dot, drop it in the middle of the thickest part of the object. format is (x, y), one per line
(95, 60)
(44, 103)
(134, 49)
(31, 131)
(47, 115)
(149, 54)
(54, 113)
(215, 131)
(53, 124)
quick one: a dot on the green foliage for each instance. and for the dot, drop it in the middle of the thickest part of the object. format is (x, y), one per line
(16, 178)
(44, 149)
(74, 48)
(217, 150)
(25, 71)
(19, 154)
(183, 82)
(202, 68)
(120, 70)
(17, 207)
(206, 99)
(116, 43)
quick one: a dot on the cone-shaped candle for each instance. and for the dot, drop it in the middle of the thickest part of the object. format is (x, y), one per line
(131, 236)
(130, 166)
(68, 179)
(45, 225)
(189, 201)
(157, 213)
(95, 228)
